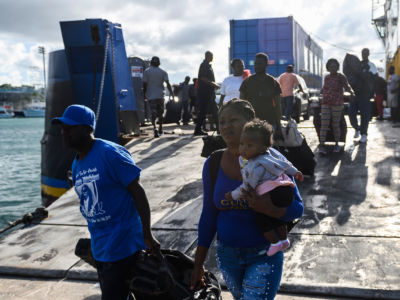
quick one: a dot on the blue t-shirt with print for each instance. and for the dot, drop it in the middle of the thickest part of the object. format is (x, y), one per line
(100, 180)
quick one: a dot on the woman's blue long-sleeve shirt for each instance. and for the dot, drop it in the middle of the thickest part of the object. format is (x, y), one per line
(235, 223)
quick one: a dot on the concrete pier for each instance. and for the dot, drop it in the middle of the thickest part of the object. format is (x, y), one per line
(347, 244)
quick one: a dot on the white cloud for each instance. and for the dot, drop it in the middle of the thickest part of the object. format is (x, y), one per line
(177, 31)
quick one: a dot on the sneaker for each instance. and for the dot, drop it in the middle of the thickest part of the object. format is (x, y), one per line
(285, 244)
(200, 132)
(274, 248)
(363, 138)
(357, 134)
(322, 149)
(156, 135)
(336, 149)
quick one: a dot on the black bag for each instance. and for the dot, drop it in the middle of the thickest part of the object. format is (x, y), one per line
(173, 112)
(83, 250)
(161, 278)
(211, 144)
(168, 278)
(301, 157)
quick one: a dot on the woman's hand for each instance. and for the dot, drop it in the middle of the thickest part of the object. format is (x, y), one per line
(197, 278)
(262, 203)
(228, 196)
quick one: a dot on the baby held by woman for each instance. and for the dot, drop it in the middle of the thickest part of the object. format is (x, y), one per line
(264, 169)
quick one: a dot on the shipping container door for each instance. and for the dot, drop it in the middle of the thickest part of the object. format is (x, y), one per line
(275, 39)
(244, 41)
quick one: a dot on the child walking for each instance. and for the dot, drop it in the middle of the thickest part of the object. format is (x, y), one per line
(266, 170)
(332, 103)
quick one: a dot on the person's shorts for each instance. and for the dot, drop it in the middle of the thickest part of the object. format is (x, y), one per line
(157, 107)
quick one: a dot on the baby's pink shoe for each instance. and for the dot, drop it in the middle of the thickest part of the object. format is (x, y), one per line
(274, 248)
(285, 244)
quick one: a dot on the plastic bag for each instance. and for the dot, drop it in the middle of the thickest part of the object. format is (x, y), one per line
(292, 137)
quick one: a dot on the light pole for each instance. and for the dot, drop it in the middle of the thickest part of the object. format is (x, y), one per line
(42, 50)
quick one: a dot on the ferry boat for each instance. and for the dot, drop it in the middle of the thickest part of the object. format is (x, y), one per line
(4, 114)
(35, 110)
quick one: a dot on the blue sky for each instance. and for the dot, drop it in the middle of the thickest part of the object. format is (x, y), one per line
(177, 31)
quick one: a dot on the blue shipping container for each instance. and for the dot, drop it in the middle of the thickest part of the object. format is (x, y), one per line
(285, 42)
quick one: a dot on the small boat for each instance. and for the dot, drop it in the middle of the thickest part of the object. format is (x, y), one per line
(35, 110)
(4, 114)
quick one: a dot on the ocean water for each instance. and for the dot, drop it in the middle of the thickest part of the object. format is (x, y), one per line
(19, 167)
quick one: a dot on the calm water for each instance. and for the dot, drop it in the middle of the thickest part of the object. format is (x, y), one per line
(19, 167)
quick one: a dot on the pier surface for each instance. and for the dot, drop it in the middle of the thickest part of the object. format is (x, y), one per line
(347, 244)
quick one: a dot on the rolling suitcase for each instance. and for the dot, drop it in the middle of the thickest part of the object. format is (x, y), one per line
(173, 112)
(301, 157)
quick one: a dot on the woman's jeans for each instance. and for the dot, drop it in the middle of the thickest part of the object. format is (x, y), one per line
(249, 273)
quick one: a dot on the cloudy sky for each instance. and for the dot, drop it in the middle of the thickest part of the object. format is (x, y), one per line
(178, 31)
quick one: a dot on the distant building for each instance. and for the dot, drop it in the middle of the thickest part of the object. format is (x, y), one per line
(19, 97)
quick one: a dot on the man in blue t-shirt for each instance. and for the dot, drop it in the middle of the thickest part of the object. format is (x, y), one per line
(112, 200)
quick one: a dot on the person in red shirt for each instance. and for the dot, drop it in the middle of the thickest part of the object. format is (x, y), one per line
(332, 103)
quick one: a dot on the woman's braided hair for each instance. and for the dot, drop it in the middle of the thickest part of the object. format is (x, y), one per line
(241, 107)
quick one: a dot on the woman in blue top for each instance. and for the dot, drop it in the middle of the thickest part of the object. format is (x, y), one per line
(241, 254)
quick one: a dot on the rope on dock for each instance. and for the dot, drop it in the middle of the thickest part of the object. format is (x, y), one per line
(37, 216)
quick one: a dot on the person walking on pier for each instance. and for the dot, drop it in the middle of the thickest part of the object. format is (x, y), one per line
(112, 201)
(288, 81)
(332, 103)
(184, 98)
(262, 91)
(364, 93)
(380, 95)
(206, 93)
(153, 89)
(242, 249)
(393, 86)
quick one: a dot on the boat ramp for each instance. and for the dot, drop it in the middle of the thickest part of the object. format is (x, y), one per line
(346, 245)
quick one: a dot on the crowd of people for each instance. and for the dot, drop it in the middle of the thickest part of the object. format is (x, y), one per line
(273, 99)
(249, 188)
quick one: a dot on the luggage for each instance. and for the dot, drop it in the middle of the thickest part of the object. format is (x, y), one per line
(301, 157)
(168, 278)
(173, 112)
(161, 278)
(351, 65)
(352, 68)
(329, 136)
(292, 137)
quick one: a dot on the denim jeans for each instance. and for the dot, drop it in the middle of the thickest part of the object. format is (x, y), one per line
(363, 105)
(288, 106)
(249, 273)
